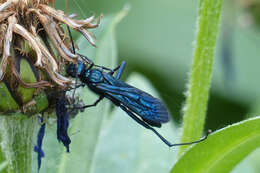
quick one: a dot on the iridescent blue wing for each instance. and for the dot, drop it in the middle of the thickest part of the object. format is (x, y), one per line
(149, 108)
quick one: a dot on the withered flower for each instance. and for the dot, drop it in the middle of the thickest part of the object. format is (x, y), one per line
(34, 49)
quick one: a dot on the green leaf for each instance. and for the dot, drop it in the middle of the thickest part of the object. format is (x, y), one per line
(126, 145)
(223, 150)
(3, 166)
(201, 72)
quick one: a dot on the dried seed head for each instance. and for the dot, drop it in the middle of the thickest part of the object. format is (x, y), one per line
(31, 32)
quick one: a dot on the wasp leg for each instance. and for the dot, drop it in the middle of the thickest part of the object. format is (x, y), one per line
(139, 121)
(91, 105)
(75, 87)
(120, 70)
(142, 123)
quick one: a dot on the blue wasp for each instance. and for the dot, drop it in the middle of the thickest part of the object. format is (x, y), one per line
(145, 109)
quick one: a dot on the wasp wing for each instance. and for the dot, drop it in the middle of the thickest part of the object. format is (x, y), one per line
(149, 108)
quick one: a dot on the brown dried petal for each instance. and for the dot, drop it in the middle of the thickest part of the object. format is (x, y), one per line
(50, 28)
(9, 35)
(7, 4)
(87, 35)
(29, 85)
(3, 29)
(66, 80)
(7, 43)
(59, 15)
(50, 61)
(77, 25)
(31, 40)
(53, 76)
(87, 22)
(5, 15)
(60, 31)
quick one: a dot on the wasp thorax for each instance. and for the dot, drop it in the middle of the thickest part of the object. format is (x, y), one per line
(95, 76)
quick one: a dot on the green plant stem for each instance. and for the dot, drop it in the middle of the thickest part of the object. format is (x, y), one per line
(201, 72)
(16, 134)
(3, 161)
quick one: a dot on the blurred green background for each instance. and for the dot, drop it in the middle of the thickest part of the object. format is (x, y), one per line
(156, 39)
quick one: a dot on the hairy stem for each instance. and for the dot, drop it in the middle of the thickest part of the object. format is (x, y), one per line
(201, 72)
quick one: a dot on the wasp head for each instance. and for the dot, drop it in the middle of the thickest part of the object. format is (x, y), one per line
(74, 70)
(71, 70)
